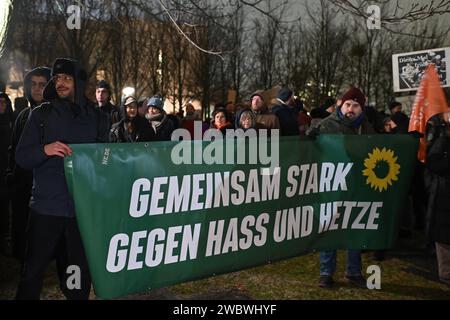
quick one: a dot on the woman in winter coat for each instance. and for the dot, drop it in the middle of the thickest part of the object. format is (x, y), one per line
(159, 121)
(246, 119)
(221, 120)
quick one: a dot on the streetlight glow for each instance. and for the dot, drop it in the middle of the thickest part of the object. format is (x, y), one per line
(128, 91)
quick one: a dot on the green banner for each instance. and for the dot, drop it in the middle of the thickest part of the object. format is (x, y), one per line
(148, 219)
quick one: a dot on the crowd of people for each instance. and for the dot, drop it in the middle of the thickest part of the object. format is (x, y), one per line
(38, 212)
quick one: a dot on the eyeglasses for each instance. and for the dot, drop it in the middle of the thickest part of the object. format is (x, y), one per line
(63, 77)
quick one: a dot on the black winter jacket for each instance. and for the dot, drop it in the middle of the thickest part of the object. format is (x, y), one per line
(57, 120)
(287, 118)
(438, 171)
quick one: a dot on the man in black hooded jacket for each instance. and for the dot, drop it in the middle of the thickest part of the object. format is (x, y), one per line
(132, 127)
(21, 180)
(67, 117)
(103, 97)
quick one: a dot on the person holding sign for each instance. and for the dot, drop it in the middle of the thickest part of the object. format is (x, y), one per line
(67, 117)
(348, 118)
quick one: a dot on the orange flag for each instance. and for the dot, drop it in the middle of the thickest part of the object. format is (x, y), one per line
(430, 100)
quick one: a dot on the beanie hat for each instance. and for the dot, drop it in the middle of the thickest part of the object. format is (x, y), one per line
(258, 93)
(68, 66)
(284, 94)
(129, 100)
(156, 102)
(356, 95)
(104, 85)
(62, 65)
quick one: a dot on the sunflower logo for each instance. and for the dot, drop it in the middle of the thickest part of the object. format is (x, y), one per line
(381, 169)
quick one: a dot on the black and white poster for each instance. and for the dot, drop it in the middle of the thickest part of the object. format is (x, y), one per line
(409, 68)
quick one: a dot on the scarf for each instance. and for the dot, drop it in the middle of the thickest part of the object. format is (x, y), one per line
(353, 123)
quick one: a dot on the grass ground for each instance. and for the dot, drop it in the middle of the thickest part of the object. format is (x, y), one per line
(407, 273)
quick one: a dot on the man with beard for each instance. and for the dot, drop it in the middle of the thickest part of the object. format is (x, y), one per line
(260, 109)
(68, 117)
(348, 118)
(22, 179)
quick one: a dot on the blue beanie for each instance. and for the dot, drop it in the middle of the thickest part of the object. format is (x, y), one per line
(284, 94)
(156, 102)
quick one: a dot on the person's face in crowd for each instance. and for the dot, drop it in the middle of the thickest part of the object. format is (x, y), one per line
(132, 110)
(389, 125)
(153, 111)
(246, 121)
(351, 109)
(37, 88)
(220, 119)
(257, 103)
(3, 105)
(102, 96)
(189, 109)
(65, 86)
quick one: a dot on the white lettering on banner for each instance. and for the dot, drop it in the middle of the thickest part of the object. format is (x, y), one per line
(312, 178)
(293, 223)
(238, 235)
(181, 243)
(201, 191)
(139, 202)
(331, 215)
(178, 243)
